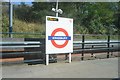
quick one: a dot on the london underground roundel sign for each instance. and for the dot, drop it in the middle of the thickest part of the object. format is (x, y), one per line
(59, 35)
(53, 38)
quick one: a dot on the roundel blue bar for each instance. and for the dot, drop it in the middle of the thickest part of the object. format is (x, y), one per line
(59, 38)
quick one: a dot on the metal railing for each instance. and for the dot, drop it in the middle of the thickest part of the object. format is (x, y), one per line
(22, 35)
(33, 49)
(84, 45)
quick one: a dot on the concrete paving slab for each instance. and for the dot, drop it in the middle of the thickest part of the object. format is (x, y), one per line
(98, 68)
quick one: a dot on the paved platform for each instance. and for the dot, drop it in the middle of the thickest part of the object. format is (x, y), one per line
(98, 68)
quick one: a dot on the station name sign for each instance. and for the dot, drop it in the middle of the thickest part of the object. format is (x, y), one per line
(59, 35)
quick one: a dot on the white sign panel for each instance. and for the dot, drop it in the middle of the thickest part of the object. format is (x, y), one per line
(59, 35)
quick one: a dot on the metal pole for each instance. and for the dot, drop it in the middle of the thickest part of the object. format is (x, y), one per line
(92, 52)
(10, 18)
(57, 8)
(47, 59)
(108, 44)
(70, 58)
(83, 40)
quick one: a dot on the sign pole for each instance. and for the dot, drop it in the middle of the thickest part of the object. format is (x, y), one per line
(47, 59)
(57, 8)
(70, 58)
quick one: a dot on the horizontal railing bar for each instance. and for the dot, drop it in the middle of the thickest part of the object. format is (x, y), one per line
(85, 49)
(90, 49)
(20, 46)
(28, 42)
(75, 42)
(93, 34)
(20, 53)
(94, 42)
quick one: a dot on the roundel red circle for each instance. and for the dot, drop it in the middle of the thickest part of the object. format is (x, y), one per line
(53, 34)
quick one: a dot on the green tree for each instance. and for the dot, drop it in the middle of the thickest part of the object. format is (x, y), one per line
(89, 17)
(22, 11)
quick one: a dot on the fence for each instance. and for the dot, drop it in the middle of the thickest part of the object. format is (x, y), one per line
(33, 49)
(96, 46)
(23, 35)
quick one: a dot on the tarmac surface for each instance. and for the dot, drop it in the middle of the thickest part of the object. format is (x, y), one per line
(98, 68)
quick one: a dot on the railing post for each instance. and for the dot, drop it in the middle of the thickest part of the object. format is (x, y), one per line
(92, 52)
(66, 56)
(83, 40)
(108, 45)
(112, 51)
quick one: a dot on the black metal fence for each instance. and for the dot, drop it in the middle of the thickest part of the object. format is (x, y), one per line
(33, 49)
(95, 46)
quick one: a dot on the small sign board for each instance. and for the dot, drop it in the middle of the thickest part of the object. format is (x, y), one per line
(59, 35)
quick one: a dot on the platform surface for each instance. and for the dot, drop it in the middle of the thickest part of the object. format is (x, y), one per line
(98, 68)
